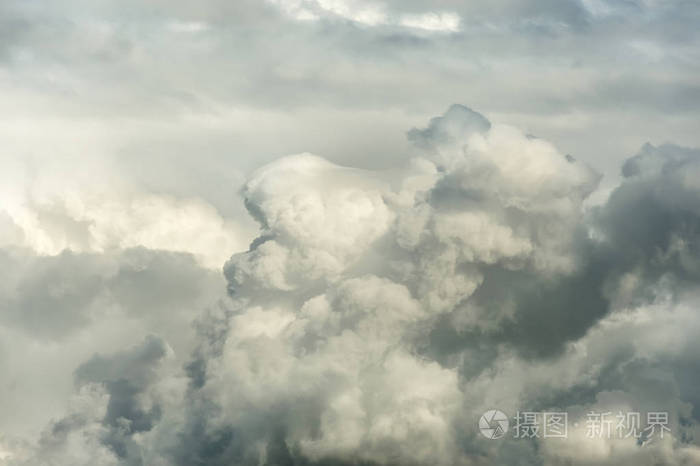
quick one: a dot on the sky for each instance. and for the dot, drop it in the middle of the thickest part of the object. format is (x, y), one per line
(337, 232)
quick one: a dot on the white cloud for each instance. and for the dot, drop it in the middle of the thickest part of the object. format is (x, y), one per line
(369, 14)
(439, 22)
(85, 222)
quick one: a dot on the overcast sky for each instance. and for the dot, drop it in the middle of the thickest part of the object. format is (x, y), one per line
(336, 232)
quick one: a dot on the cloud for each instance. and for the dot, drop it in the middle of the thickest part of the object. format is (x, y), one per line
(57, 311)
(458, 121)
(317, 219)
(652, 219)
(85, 222)
(379, 313)
(368, 14)
(491, 250)
(54, 296)
(111, 408)
(475, 256)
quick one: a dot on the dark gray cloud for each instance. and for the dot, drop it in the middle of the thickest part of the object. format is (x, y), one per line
(123, 378)
(53, 297)
(652, 220)
(458, 119)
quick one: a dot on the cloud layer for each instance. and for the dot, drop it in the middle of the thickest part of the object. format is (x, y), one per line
(378, 313)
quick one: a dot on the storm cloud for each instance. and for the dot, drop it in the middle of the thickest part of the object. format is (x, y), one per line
(265, 233)
(379, 312)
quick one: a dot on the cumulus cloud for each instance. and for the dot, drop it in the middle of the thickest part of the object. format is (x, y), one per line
(475, 256)
(379, 313)
(317, 219)
(85, 222)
